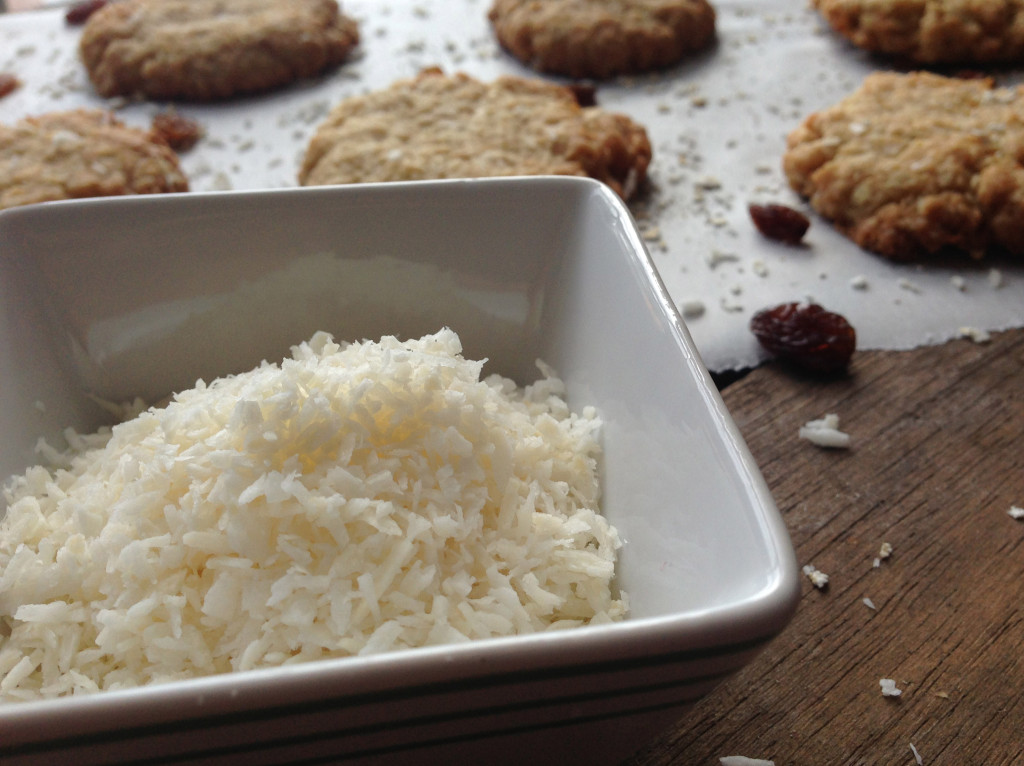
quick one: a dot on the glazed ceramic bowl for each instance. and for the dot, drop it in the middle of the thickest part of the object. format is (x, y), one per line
(118, 298)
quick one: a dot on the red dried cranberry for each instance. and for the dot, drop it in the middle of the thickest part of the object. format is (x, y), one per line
(79, 13)
(585, 93)
(8, 83)
(180, 133)
(806, 335)
(780, 222)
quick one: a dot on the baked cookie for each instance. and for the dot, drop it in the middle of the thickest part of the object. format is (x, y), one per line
(82, 153)
(932, 31)
(913, 164)
(206, 50)
(441, 126)
(602, 38)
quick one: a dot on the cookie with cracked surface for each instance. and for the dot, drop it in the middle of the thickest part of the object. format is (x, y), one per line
(454, 126)
(932, 32)
(913, 165)
(82, 153)
(602, 38)
(207, 50)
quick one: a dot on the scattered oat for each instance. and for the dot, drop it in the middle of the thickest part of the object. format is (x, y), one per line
(718, 256)
(910, 287)
(859, 282)
(889, 687)
(692, 309)
(759, 267)
(818, 578)
(221, 182)
(825, 432)
(730, 305)
(708, 183)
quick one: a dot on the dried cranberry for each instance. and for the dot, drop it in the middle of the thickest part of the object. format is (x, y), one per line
(780, 222)
(585, 93)
(8, 83)
(180, 133)
(79, 13)
(806, 335)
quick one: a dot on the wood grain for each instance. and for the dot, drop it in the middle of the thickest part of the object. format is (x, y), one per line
(936, 463)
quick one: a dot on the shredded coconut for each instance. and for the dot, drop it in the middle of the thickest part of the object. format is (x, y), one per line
(917, 755)
(889, 687)
(353, 499)
(976, 334)
(825, 433)
(884, 552)
(818, 578)
(1016, 513)
(742, 760)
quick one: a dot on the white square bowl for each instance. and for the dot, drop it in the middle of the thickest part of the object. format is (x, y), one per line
(141, 296)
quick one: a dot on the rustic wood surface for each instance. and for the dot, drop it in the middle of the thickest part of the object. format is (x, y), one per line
(936, 463)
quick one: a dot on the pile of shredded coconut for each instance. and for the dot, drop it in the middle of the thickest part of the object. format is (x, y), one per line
(353, 499)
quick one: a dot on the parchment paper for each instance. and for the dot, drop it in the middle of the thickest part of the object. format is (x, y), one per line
(718, 125)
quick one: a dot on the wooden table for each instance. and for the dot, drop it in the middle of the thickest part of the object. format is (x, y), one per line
(936, 463)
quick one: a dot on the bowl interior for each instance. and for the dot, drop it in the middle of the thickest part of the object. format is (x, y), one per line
(118, 298)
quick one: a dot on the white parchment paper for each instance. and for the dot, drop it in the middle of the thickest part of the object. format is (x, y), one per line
(718, 125)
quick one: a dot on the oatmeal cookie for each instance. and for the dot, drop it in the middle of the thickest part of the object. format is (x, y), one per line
(602, 38)
(205, 50)
(913, 164)
(932, 31)
(441, 126)
(82, 153)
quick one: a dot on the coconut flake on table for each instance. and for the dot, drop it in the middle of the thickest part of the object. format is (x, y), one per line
(889, 687)
(742, 760)
(825, 432)
(917, 755)
(884, 552)
(976, 334)
(352, 499)
(818, 578)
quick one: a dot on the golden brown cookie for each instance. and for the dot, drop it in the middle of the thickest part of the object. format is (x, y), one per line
(932, 31)
(206, 50)
(440, 126)
(910, 165)
(82, 153)
(602, 38)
